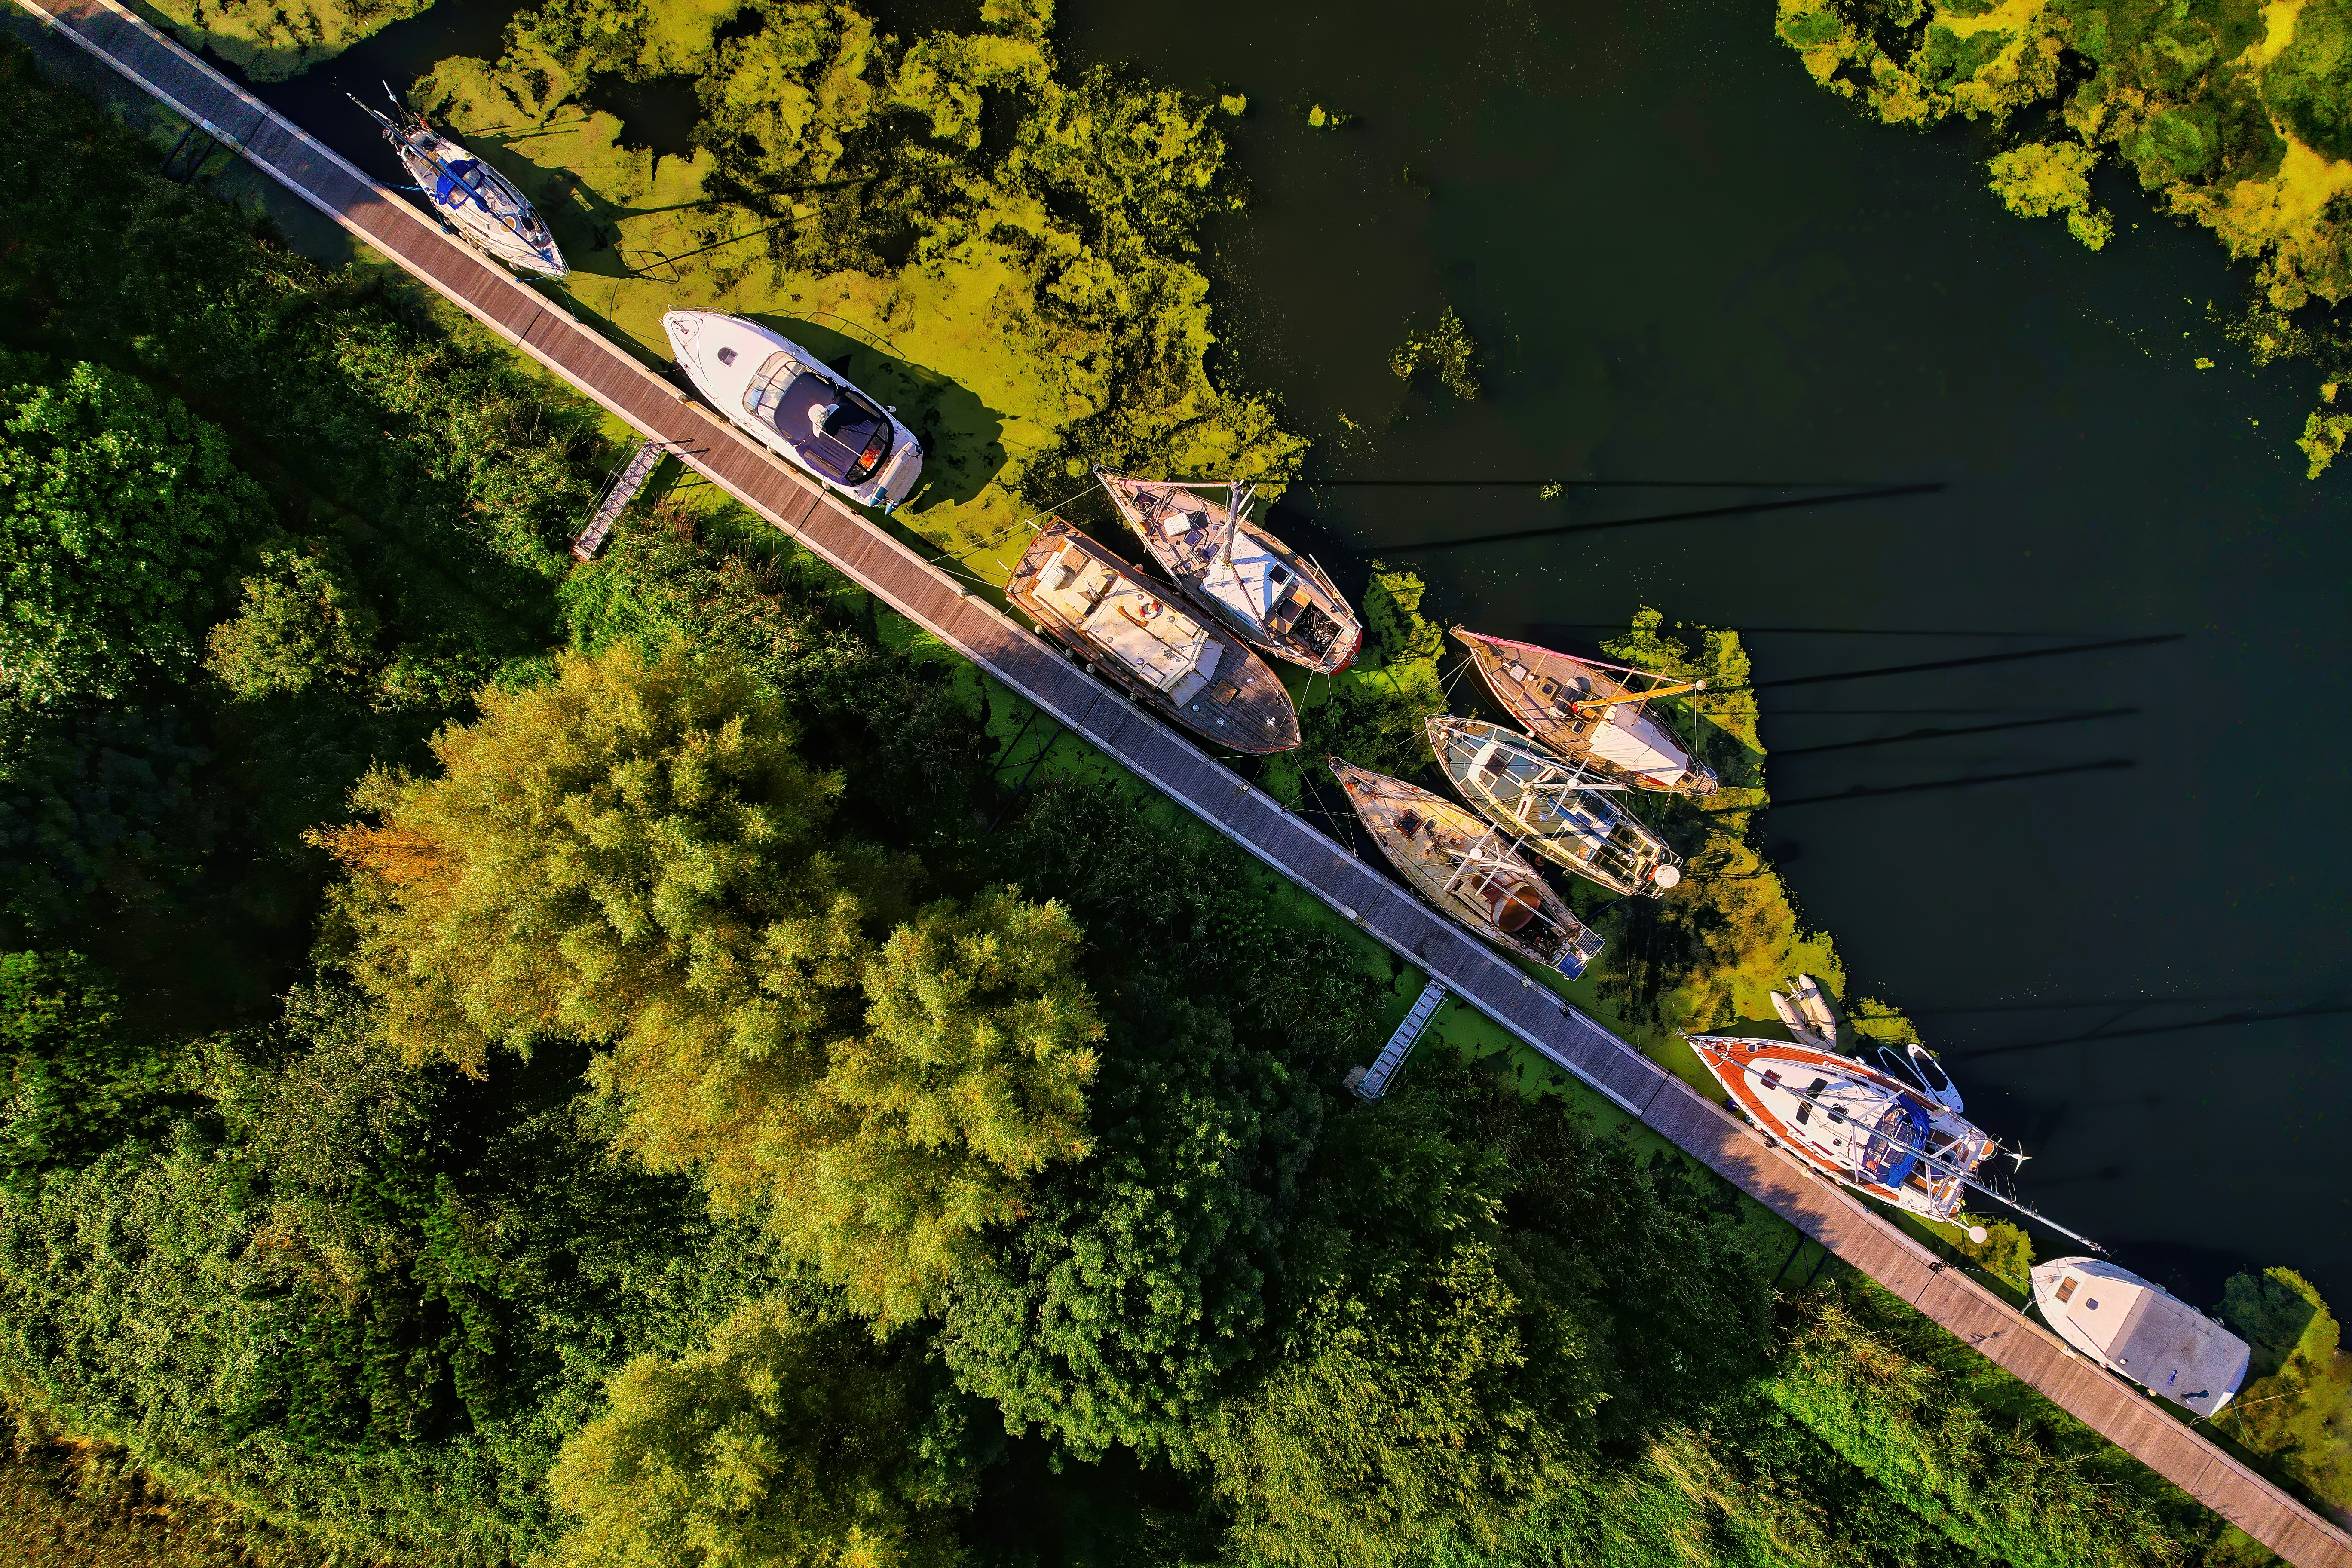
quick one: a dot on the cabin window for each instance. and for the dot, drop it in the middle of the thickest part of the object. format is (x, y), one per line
(1279, 576)
(2091, 1303)
(1804, 1113)
(1818, 1084)
(1408, 823)
(2066, 1290)
(1771, 1074)
(1837, 1113)
(726, 356)
(1225, 693)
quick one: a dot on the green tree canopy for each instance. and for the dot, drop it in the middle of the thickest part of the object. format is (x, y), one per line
(1111, 1316)
(634, 855)
(782, 1446)
(302, 621)
(116, 508)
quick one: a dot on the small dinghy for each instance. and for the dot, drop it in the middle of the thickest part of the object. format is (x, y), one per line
(1257, 585)
(472, 198)
(1921, 1063)
(2142, 1332)
(1852, 1122)
(1468, 871)
(1092, 603)
(1798, 1025)
(1553, 806)
(795, 405)
(1590, 712)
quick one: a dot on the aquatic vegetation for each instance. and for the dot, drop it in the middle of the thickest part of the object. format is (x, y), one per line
(270, 40)
(2296, 1411)
(1003, 250)
(1445, 350)
(2232, 114)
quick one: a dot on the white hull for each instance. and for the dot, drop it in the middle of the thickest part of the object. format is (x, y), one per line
(794, 403)
(2140, 1330)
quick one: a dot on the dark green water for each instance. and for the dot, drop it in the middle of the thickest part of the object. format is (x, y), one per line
(1687, 263)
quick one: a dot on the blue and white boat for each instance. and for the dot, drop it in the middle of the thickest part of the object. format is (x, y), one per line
(471, 198)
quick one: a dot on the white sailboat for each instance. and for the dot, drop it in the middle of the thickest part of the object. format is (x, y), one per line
(472, 198)
(1556, 808)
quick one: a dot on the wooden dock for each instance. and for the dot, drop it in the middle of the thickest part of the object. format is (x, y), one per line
(616, 379)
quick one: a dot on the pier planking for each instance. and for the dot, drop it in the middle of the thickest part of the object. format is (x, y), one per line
(616, 379)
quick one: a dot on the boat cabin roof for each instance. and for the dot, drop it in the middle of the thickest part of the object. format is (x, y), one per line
(836, 429)
(1159, 642)
(2153, 1338)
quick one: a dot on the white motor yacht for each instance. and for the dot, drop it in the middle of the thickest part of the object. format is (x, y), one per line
(797, 407)
(2138, 1329)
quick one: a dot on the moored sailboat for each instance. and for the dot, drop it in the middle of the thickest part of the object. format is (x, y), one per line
(1091, 602)
(1852, 1122)
(1590, 712)
(1555, 807)
(1467, 869)
(1258, 586)
(2137, 1329)
(476, 201)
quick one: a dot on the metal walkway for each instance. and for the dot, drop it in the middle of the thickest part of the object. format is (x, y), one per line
(619, 491)
(611, 375)
(1372, 1083)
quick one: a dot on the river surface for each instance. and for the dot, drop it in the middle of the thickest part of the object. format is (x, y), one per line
(1698, 276)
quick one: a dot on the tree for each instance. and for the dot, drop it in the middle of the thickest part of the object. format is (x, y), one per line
(635, 857)
(631, 856)
(116, 507)
(968, 1079)
(302, 622)
(1136, 1283)
(77, 1082)
(1439, 1369)
(783, 1445)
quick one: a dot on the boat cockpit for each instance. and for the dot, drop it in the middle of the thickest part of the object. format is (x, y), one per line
(840, 432)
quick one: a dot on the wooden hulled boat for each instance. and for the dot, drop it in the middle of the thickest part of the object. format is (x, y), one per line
(1590, 712)
(1851, 1121)
(1468, 870)
(1092, 603)
(479, 203)
(1256, 585)
(2137, 1329)
(1553, 806)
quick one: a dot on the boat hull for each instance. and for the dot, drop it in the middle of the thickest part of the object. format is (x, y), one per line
(1499, 896)
(1260, 589)
(1510, 781)
(2139, 1330)
(1628, 743)
(1238, 704)
(1852, 1122)
(724, 355)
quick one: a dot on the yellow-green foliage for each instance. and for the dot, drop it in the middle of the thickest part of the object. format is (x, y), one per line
(1447, 350)
(1028, 301)
(2042, 178)
(2322, 438)
(2297, 1410)
(634, 855)
(273, 39)
(2006, 1253)
(302, 621)
(781, 1445)
(2233, 113)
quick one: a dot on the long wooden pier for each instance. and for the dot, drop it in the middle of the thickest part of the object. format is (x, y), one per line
(617, 380)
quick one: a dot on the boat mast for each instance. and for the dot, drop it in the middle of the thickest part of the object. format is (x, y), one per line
(1967, 1178)
(1599, 705)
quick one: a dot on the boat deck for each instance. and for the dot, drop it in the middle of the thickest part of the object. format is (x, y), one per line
(1386, 909)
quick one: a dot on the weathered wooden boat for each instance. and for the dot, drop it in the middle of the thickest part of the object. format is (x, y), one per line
(1851, 1121)
(1092, 603)
(1467, 868)
(1553, 806)
(1255, 585)
(478, 203)
(2140, 1330)
(1590, 712)
(797, 407)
